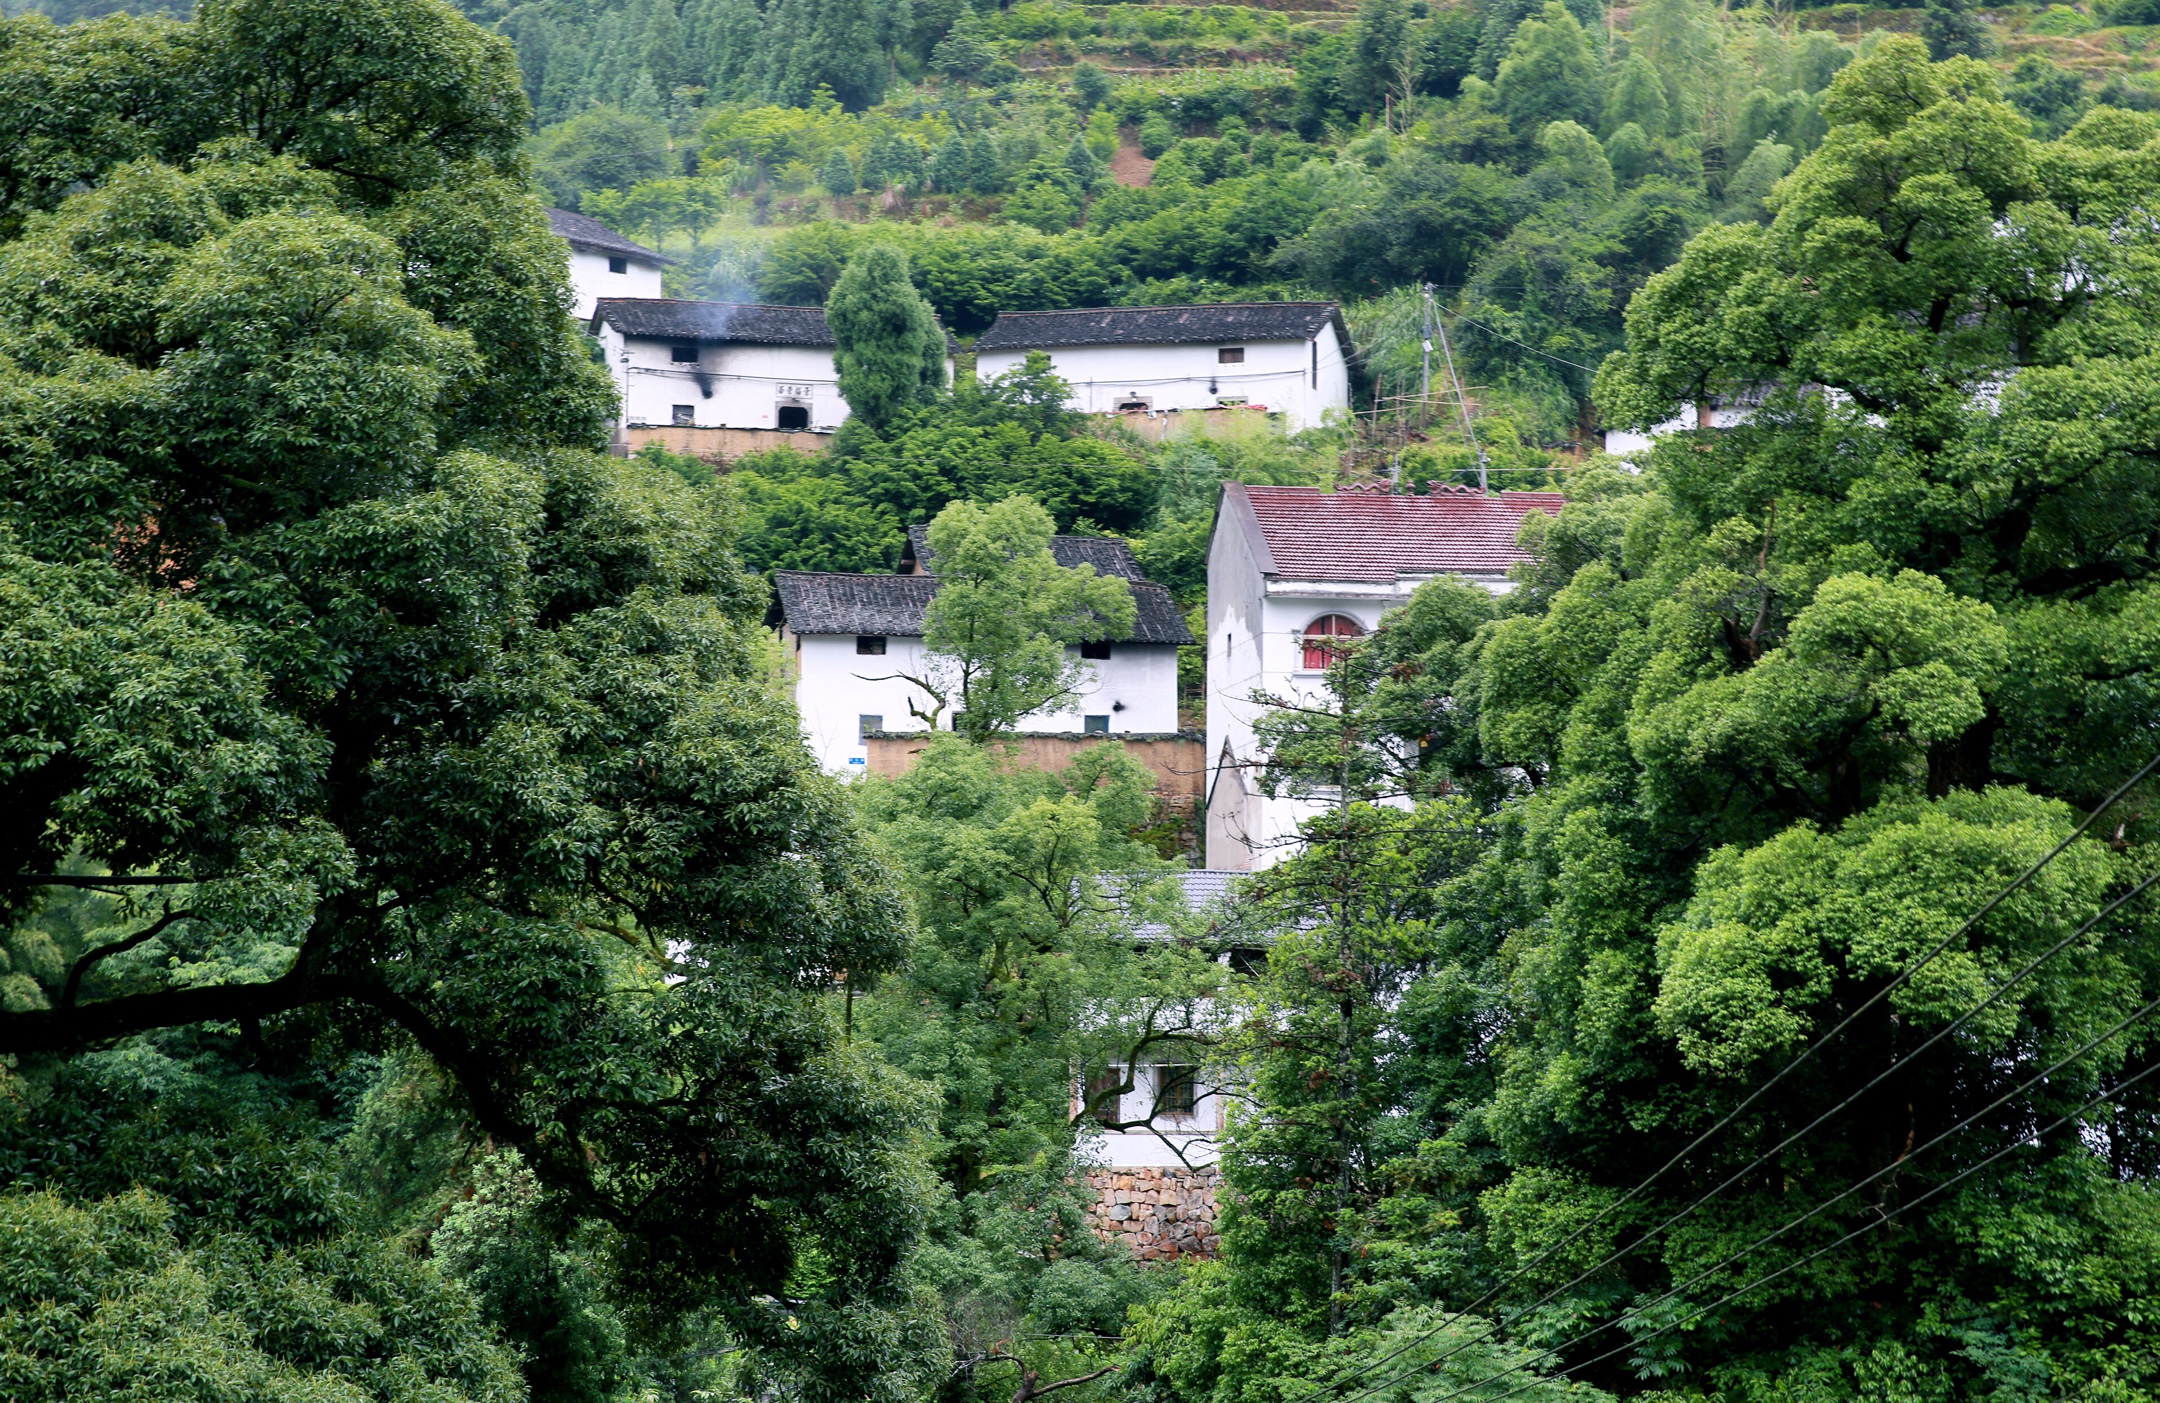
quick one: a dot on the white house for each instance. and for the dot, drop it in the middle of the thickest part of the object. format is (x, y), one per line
(603, 263)
(1285, 357)
(1290, 569)
(719, 365)
(852, 637)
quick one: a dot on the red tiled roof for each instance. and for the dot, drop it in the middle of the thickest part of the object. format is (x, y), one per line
(1379, 535)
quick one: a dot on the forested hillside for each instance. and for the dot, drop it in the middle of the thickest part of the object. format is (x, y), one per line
(1724, 968)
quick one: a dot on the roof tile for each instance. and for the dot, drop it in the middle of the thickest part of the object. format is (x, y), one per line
(1120, 326)
(678, 319)
(583, 231)
(1382, 536)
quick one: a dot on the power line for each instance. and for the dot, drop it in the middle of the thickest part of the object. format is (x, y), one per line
(1896, 982)
(1963, 1019)
(1526, 345)
(2044, 1131)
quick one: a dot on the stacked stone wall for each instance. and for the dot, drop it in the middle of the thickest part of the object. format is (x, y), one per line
(1161, 1214)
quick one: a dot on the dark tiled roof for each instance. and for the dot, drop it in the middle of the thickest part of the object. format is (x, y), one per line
(890, 605)
(1379, 535)
(1207, 323)
(1156, 618)
(1109, 555)
(677, 319)
(893, 605)
(579, 231)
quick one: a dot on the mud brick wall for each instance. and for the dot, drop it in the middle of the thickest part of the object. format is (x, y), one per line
(1161, 1214)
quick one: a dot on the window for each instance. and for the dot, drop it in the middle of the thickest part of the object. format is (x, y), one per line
(1096, 648)
(865, 724)
(618, 265)
(682, 354)
(1321, 649)
(870, 645)
(1230, 355)
(685, 416)
(794, 416)
(1095, 725)
(1316, 363)
(1131, 404)
(1103, 1095)
(1180, 1093)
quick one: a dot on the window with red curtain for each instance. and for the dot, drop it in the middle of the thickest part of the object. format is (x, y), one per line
(1321, 649)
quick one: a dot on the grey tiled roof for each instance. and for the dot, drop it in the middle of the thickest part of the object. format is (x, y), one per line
(888, 605)
(893, 605)
(582, 231)
(1206, 323)
(1156, 618)
(1110, 555)
(679, 319)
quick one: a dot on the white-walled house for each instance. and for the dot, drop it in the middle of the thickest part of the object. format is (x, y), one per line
(1288, 358)
(720, 365)
(1290, 568)
(603, 263)
(851, 637)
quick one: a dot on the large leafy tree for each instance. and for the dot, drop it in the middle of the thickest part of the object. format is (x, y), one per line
(1760, 727)
(995, 636)
(400, 715)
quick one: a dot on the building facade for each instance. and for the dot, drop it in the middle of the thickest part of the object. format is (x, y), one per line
(720, 365)
(855, 639)
(1286, 358)
(1291, 568)
(603, 263)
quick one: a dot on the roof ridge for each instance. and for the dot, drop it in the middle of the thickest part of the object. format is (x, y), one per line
(1159, 307)
(709, 302)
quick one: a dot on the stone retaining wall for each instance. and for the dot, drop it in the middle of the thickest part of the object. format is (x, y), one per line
(1162, 1214)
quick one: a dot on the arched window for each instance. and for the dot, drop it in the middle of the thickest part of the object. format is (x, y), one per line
(1321, 649)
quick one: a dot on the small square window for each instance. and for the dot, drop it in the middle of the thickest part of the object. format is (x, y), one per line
(1096, 648)
(794, 416)
(1230, 355)
(682, 355)
(618, 265)
(866, 723)
(1180, 1090)
(870, 645)
(685, 416)
(1095, 725)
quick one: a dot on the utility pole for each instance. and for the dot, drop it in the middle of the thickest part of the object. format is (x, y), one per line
(1462, 406)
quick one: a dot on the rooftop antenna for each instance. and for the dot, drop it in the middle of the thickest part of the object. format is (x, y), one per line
(1462, 405)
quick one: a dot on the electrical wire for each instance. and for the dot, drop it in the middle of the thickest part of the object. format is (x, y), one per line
(1637, 1312)
(2044, 1131)
(1895, 983)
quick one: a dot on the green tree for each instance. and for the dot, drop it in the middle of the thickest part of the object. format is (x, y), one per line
(996, 633)
(1637, 95)
(604, 149)
(1627, 152)
(1550, 73)
(837, 172)
(964, 52)
(887, 345)
(104, 1297)
(1375, 68)
(417, 719)
(1090, 85)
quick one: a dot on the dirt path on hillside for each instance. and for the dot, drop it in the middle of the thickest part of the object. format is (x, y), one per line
(1128, 166)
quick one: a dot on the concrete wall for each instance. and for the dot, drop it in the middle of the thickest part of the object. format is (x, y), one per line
(1177, 760)
(590, 280)
(730, 385)
(1256, 631)
(836, 686)
(1301, 380)
(723, 446)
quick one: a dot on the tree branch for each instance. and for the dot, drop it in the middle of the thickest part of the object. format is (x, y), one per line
(89, 958)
